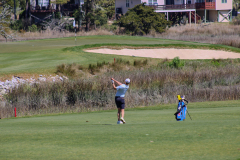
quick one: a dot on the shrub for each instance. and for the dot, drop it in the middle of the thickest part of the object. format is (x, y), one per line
(33, 28)
(100, 65)
(140, 62)
(100, 17)
(17, 25)
(80, 67)
(67, 70)
(111, 27)
(58, 15)
(236, 20)
(71, 97)
(93, 68)
(176, 63)
(21, 24)
(215, 62)
(61, 68)
(56, 92)
(122, 61)
(69, 27)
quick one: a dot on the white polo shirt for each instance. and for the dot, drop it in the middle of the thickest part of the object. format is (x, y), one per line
(121, 90)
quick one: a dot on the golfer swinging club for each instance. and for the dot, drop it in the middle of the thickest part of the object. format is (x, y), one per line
(119, 98)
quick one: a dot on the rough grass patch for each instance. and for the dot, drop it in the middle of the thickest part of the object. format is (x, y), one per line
(67, 70)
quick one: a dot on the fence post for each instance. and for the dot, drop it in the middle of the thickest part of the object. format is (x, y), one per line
(15, 111)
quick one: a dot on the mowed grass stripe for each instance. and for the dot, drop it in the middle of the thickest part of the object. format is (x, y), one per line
(149, 134)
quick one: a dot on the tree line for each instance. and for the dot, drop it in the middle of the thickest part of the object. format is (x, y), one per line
(139, 20)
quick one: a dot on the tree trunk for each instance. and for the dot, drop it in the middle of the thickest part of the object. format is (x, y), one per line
(60, 10)
(26, 11)
(93, 12)
(15, 17)
(87, 24)
(86, 14)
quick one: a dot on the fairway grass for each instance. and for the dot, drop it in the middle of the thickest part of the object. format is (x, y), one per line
(150, 133)
(43, 56)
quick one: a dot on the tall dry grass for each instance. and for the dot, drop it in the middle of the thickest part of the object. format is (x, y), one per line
(199, 80)
(44, 34)
(214, 33)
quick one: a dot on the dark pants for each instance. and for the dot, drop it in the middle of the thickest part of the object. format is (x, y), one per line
(120, 102)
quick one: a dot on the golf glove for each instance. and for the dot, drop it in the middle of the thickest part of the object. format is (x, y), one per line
(112, 81)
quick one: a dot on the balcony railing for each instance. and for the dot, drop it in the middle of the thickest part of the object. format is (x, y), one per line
(37, 8)
(53, 8)
(206, 5)
(173, 7)
(69, 7)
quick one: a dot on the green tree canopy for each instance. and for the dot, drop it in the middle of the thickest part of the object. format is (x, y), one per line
(95, 15)
(142, 19)
(100, 16)
(108, 6)
(236, 4)
(19, 3)
(5, 14)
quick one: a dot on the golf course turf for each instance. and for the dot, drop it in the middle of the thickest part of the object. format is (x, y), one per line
(42, 56)
(150, 133)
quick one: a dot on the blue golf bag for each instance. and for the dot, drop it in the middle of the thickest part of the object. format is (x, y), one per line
(180, 115)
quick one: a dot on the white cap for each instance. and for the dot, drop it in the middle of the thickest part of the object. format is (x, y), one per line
(127, 80)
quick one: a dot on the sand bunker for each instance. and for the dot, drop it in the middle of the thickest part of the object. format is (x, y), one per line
(170, 53)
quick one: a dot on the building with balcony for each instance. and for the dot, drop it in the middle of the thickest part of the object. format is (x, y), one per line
(40, 10)
(193, 10)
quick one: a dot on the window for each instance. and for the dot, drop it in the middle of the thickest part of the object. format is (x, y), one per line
(127, 3)
(152, 2)
(81, 2)
(224, 1)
